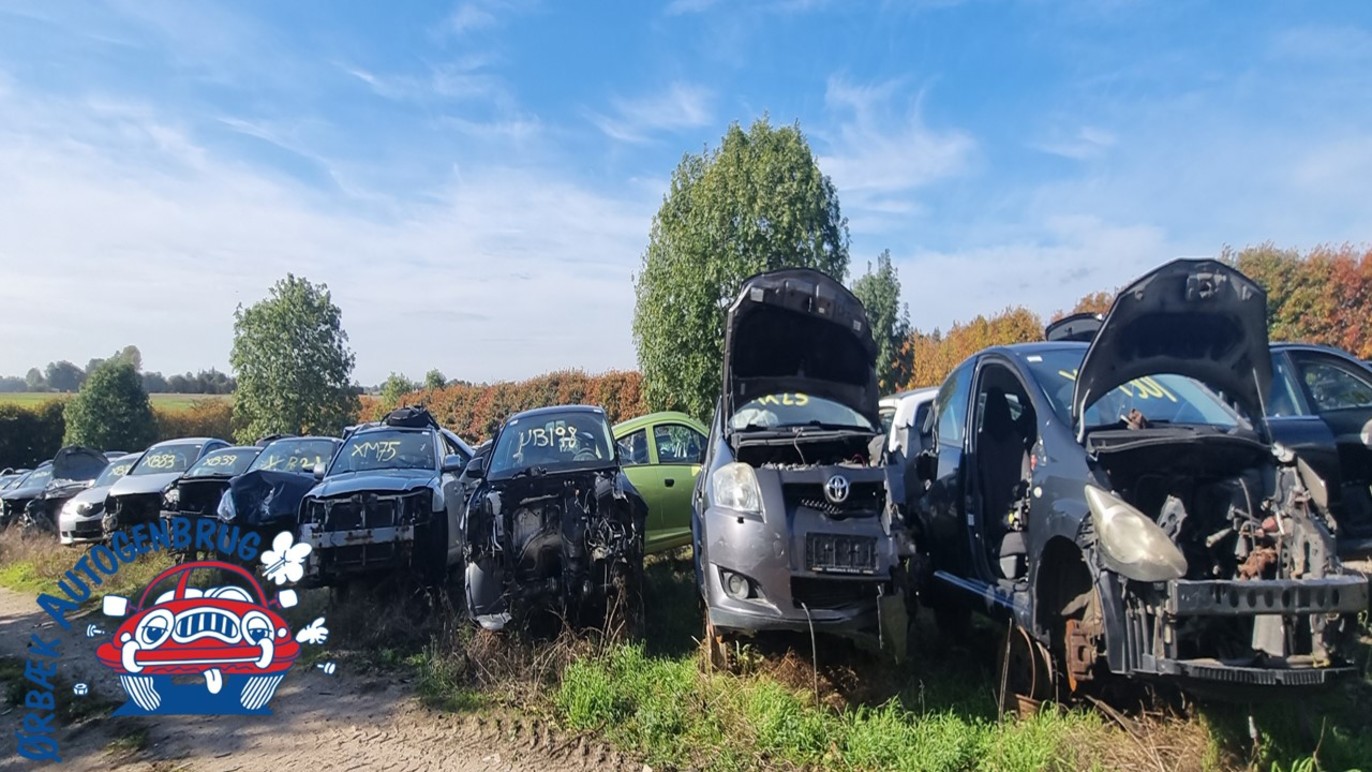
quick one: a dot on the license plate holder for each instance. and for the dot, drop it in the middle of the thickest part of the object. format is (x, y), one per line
(829, 553)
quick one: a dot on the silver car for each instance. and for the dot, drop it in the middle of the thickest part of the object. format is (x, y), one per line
(79, 520)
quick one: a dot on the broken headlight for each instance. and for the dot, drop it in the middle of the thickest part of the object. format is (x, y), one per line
(734, 486)
(1130, 543)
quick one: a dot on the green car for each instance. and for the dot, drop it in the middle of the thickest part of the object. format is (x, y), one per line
(660, 453)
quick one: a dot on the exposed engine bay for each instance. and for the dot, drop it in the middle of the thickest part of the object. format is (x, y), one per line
(573, 540)
(809, 449)
(1239, 513)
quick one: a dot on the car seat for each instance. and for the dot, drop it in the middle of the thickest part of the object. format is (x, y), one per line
(1002, 467)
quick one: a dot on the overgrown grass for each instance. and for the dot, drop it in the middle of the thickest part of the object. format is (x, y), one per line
(71, 709)
(35, 563)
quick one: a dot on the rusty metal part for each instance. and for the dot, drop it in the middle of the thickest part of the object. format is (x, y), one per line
(1081, 643)
(1026, 672)
(1257, 563)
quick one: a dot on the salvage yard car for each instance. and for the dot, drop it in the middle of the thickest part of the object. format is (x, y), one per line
(73, 470)
(661, 455)
(137, 496)
(554, 523)
(1321, 407)
(389, 500)
(20, 492)
(196, 493)
(266, 498)
(798, 521)
(1113, 508)
(79, 522)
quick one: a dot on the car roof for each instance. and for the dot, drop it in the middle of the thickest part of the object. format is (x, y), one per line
(183, 440)
(922, 391)
(665, 416)
(552, 409)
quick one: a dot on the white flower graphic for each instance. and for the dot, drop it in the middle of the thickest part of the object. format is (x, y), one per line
(315, 632)
(285, 561)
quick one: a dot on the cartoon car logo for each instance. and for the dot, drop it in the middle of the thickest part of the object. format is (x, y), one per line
(228, 634)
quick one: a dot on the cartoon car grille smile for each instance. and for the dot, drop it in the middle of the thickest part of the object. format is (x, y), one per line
(193, 625)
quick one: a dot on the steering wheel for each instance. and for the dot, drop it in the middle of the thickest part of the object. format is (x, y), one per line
(585, 454)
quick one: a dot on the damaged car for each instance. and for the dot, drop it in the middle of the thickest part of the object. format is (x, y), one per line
(80, 519)
(74, 469)
(137, 497)
(798, 519)
(390, 500)
(265, 499)
(554, 523)
(1113, 508)
(15, 499)
(195, 494)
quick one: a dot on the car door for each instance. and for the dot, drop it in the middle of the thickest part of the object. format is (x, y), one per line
(453, 496)
(637, 462)
(942, 509)
(676, 451)
(1339, 391)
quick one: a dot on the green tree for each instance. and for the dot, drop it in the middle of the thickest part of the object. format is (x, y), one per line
(758, 202)
(879, 291)
(292, 363)
(64, 376)
(434, 379)
(394, 389)
(111, 410)
(34, 380)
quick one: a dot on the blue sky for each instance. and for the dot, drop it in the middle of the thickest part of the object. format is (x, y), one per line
(475, 181)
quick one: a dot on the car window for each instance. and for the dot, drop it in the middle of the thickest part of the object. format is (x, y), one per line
(552, 441)
(294, 455)
(1284, 398)
(633, 448)
(1333, 385)
(951, 406)
(385, 449)
(678, 444)
(166, 458)
(223, 463)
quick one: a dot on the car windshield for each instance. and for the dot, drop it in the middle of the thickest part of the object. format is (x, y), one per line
(166, 458)
(552, 441)
(223, 463)
(114, 471)
(790, 410)
(36, 477)
(385, 449)
(1162, 398)
(294, 455)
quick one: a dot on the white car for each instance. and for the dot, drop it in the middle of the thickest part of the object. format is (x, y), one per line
(902, 414)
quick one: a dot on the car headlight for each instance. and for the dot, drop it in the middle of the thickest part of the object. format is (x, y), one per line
(1132, 544)
(226, 511)
(171, 497)
(734, 486)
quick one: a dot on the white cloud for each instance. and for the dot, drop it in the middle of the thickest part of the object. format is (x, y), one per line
(882, 152)
(679, 106)
(1086, 143)
(118, 226)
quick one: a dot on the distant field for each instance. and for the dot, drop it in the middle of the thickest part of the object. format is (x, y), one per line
(164, 401)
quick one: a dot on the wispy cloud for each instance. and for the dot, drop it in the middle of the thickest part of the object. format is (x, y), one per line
(882, 151)
(679, 106)
(1086, 143)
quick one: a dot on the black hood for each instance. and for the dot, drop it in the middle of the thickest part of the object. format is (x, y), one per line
(1198, 318)
(78, 463)
(798, 330)
(261, 497)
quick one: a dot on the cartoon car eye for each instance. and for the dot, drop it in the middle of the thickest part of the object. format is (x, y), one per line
(256, 626)
(154, 628)
(229, 592)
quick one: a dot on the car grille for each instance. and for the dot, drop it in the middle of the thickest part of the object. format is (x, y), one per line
(865, 499)
(367, 510)
(207, 622)
(137, 508)
(830, 593)
(200, 497)
(831, 553)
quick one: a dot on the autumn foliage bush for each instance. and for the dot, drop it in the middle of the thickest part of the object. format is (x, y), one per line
(203, 418)
(474, 411)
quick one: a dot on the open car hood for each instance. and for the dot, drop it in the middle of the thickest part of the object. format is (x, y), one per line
(1198, 318)
(78, 463)
(798, 330)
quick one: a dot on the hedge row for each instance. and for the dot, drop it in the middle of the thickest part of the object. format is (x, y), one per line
(474, 412)
(31, 435)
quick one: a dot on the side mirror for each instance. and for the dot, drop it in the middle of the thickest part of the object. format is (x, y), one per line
(319, 471)
(453, 464)
(476, 469)
(115, 606)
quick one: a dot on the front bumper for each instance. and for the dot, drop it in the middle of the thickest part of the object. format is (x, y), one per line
(786, 592)
(80, 529)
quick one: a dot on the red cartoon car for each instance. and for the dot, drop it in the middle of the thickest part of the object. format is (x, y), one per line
(228, 631)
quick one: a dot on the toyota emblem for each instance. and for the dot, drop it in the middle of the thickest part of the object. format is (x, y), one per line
(836, 489)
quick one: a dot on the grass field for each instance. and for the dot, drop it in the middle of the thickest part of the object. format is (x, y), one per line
(782, 710)
(163, 401)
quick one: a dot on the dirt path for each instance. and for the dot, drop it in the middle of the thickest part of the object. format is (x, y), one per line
(319, 722)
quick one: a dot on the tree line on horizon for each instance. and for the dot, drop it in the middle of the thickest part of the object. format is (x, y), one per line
(65, 377)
